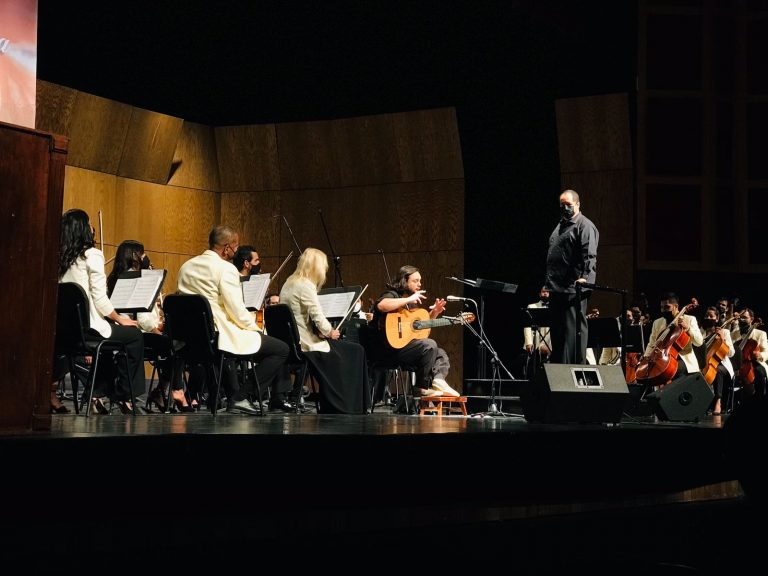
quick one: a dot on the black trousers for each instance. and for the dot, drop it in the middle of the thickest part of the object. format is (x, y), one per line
(134, 345)
(424, 355)
(568, 317)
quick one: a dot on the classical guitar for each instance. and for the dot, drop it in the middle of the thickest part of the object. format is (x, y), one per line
(405, 325)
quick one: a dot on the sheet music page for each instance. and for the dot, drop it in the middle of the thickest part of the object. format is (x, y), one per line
(121, 294)
(146, 289)
(137, 294)
(254, 290)
(336, 304)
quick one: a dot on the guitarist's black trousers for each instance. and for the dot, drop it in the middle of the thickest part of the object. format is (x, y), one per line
(422, 355)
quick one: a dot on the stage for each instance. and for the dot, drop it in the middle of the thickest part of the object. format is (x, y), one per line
(371, 485)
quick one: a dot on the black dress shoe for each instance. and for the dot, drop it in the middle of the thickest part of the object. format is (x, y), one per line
(275, 405)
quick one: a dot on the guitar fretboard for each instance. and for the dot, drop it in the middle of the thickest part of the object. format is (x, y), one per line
(424, 324)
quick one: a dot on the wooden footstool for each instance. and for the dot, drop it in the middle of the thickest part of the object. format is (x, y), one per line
(442, 403)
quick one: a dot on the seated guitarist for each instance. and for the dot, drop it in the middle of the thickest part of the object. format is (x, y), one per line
(423, 354)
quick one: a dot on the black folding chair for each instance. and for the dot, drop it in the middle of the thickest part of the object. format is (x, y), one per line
(189, 319)
(280, 323)
(74, 338)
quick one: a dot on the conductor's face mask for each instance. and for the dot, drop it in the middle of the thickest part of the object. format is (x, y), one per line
(566, 211)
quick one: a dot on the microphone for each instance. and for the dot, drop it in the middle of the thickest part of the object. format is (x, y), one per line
(456, 299)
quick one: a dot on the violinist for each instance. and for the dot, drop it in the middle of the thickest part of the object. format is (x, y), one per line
(670, 307)
(247, 262)
(724, 377)
(747, 330)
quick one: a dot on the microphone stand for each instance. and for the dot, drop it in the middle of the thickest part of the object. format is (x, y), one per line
(496, 364)
(338, 281)
(292, 236)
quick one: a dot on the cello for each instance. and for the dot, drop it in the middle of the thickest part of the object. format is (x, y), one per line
(659, 367)
(747, 349)
(717, 351)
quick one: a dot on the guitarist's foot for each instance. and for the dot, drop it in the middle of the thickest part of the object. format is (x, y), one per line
(441, 386)
(425, 392)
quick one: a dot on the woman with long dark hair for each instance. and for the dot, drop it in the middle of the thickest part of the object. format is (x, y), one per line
(80, 262)
(130, 257)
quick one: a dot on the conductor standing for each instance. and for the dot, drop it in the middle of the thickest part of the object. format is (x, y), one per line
(572, 258)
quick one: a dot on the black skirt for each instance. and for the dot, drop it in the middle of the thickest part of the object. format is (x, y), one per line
(342, 375)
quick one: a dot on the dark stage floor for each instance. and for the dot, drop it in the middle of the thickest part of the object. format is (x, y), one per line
(639, 497)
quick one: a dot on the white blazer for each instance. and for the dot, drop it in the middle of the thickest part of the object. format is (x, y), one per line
(686, 354)
(88, 272)
(219, 282)
(300, 294)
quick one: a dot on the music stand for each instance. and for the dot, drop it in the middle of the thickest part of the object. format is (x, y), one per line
(536, 318)
(337, 303)
(483, 285)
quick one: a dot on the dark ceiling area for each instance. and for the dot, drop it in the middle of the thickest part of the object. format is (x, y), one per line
(226, 62)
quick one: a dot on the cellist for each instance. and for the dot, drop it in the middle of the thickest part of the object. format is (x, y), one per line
(670, 306)
(724, 377)
(746, 330)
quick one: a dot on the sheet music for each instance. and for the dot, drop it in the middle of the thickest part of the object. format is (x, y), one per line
(137, 293)
(336, 304)
(254, 290)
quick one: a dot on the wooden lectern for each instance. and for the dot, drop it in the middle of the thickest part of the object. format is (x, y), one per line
(31, 195)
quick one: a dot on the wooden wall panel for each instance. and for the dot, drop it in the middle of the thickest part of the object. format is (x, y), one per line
(247, 158)
(606, 199)
(97, 133)
(93, 191)
(428, 145)
(307, 160)
(367, 219)
(256, 217)
(149, 146)
(187, 218)
(366, 150)
(596, 161)
(614, 268)
(55, 105)
(595, 133)
(140, 208)
(195, 164)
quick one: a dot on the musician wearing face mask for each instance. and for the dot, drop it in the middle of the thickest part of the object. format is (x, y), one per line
(747, 330)
(724, 378)
(571, 259)
(246, 260)
(670, 308)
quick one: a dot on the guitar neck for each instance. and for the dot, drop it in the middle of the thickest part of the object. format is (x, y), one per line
(433, 323)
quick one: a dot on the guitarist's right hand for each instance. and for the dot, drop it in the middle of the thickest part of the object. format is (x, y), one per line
(416, 297)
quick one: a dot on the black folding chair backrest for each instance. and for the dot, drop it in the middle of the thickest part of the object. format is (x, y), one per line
(72, 320)
(280, 323)
(188, 319)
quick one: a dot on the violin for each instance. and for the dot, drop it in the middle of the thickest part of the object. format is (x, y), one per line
(659, 367)
(748, 347)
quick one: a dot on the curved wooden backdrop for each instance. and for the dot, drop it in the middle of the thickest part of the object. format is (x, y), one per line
(393, 182)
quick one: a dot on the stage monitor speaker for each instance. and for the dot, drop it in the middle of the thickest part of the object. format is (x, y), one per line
(576, 393)
(683, 400)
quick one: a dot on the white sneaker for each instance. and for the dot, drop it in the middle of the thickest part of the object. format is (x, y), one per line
(425, 392)
(442, 386)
